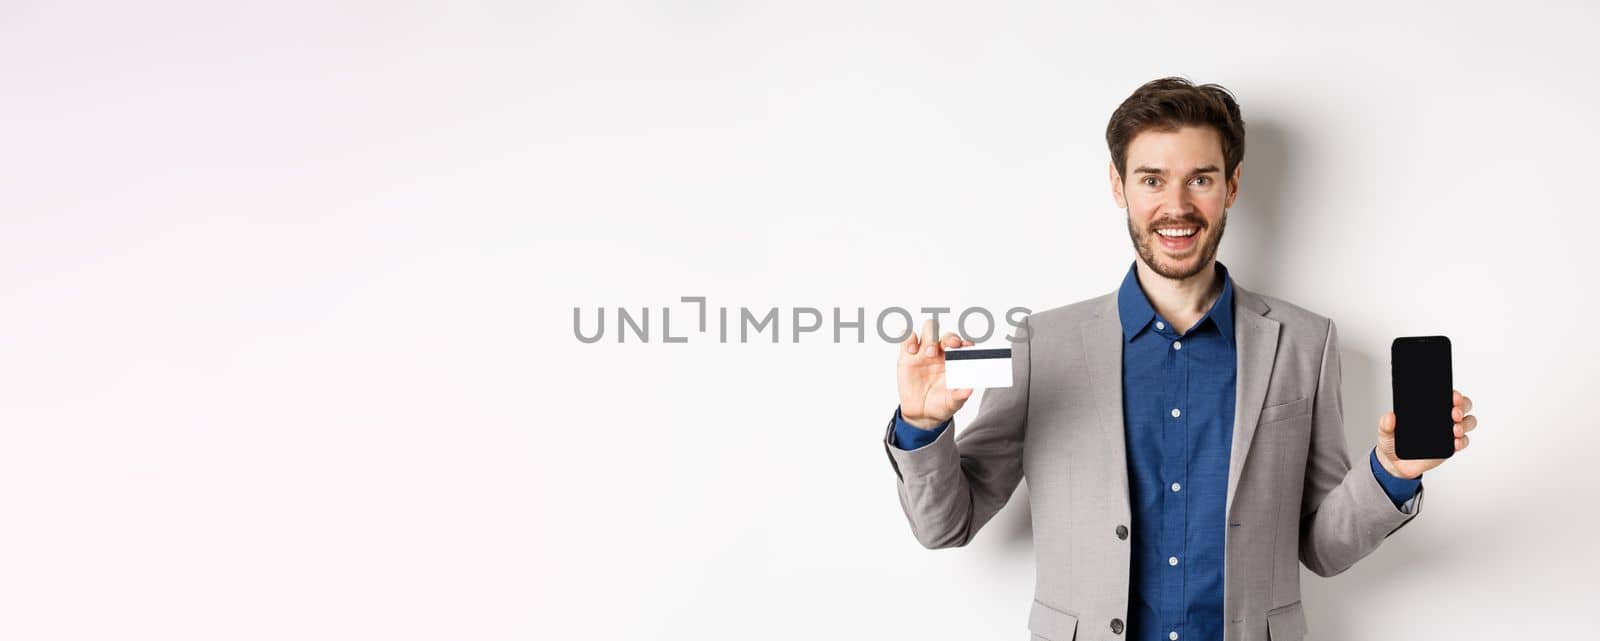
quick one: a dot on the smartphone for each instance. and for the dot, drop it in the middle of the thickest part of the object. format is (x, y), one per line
(1419, 367)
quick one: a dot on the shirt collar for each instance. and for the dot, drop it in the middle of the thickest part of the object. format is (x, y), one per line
(1134, 307)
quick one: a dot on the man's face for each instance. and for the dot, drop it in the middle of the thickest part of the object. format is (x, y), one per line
(1176, 198)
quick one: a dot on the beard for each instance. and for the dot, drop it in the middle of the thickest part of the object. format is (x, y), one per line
(1145, 241)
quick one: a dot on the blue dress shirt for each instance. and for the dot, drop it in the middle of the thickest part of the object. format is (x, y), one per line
(1178, 400)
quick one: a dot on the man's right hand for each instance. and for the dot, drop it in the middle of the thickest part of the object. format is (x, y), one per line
(924, 401)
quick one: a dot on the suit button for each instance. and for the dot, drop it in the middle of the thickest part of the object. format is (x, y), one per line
(1116, 626)
(1122, 532)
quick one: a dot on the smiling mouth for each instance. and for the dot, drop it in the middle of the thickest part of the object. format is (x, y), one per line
(1178, 239)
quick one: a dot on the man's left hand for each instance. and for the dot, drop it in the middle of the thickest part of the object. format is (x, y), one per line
(1413, 468)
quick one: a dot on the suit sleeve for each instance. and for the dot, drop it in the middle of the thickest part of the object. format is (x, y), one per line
(950, 487)
(1345, 513)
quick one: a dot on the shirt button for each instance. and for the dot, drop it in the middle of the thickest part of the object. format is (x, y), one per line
(1122, 532)
(1177, 344)
(1116, 626)
(1172, 560)
(1173, 635)
(1160, 325)
(1176, 413)
(1176, 487)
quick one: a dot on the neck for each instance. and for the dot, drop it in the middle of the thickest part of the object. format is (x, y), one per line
(1181, 302)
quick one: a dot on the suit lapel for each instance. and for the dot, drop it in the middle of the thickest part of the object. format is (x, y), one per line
(1102, 345)
(1257, 341)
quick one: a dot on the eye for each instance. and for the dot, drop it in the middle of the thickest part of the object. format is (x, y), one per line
(1149, 181)
(1202, 180)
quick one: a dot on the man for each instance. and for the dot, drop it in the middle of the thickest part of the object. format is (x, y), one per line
(1182, 437)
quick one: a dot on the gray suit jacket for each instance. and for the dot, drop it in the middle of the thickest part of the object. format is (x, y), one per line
(1293, 496)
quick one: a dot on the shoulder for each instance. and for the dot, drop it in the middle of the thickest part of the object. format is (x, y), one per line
(1073, 313)
(1295, 322)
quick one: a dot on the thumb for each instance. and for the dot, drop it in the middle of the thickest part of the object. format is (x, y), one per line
(961, 394)
(1386, 424)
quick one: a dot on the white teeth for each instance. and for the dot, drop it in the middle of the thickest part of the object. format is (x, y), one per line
(1177, 233)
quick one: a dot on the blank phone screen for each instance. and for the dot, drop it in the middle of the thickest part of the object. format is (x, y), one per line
(1423, 397)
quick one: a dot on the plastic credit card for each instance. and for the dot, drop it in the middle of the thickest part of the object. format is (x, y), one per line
(977, 367)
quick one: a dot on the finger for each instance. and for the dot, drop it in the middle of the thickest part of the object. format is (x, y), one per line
(929, 347)
(961, 394)
(910, 344)
(1466, 425)
(1461, 442)
(950, 339)
(1386, 423)
(966, 343)
(1463, 403)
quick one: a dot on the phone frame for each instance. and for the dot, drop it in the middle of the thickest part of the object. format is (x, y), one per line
(1429, 446)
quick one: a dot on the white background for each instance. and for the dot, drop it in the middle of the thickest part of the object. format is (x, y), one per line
(286, 296)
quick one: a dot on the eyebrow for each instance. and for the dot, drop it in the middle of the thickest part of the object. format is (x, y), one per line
(1207, 169)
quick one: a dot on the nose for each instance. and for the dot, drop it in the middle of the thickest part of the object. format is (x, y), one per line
(1176, 203)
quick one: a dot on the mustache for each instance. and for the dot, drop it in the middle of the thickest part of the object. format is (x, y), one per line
(1194, 221)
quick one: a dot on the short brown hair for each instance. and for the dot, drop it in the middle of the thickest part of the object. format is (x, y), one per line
(1168, 103)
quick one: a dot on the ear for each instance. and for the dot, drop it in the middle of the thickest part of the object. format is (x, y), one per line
(1233, 183)
(1116, 186)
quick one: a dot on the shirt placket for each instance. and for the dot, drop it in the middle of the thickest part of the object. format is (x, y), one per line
(1174, 457)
